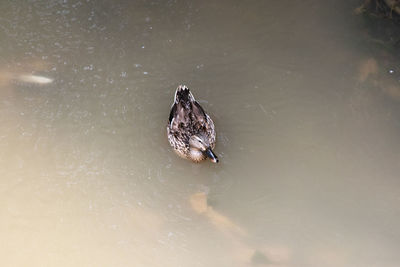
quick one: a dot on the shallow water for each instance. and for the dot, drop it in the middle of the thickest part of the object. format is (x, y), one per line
(307, 115)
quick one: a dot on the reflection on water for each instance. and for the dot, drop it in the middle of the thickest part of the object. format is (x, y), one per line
(306, 112)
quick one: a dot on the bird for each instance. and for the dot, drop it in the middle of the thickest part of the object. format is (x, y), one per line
(190, 129)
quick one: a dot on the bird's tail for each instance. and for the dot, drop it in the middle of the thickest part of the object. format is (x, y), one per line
(183, 94)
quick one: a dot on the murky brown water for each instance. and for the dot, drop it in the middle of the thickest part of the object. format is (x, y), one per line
(306, 111)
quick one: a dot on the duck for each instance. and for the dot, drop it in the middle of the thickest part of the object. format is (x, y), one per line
(190, 130)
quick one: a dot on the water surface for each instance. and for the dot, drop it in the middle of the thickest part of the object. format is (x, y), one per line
(307, 116)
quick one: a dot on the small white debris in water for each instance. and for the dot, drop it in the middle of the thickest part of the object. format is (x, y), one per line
(143, 46)
(391, 71)
(145, 72)
(123, 74)
(34, 79)
(90, 67)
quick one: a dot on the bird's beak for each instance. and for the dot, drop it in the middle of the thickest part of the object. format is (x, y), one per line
(209, 153)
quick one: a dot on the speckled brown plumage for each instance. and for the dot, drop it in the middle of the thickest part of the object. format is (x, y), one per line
(187, 120)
